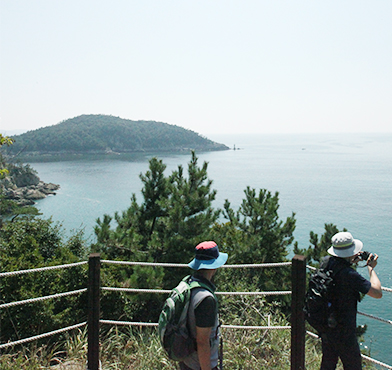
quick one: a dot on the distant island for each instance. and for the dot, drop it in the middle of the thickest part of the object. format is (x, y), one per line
(103, 134)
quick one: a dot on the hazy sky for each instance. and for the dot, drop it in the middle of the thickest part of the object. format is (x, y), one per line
(210, 66)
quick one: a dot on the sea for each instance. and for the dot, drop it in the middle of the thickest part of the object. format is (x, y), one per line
(344, 179)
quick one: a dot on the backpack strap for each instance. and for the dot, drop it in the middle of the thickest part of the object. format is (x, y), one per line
(203, 290)
(324, 262)
(334, 271)
(199, 284)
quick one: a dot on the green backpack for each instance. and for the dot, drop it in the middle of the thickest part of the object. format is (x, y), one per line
(172, 325)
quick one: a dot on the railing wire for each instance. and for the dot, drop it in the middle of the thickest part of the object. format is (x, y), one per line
(20, 272)
(247, 327)
(376, 318)
(111, 322)
(32, 300)
(36, 337)
(164, 291)
(155, 264)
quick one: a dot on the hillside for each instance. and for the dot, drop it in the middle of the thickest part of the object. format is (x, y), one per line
(90, 134)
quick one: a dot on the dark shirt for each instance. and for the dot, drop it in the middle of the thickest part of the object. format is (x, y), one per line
(349, 285)
(206, 311)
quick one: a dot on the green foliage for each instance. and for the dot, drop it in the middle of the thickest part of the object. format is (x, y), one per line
(254, 234)
(100, 134)
(8, 207)
(13, 174)
(31, 243)
(135, 348)
(4, 140)
(319, 246)
(175, 215)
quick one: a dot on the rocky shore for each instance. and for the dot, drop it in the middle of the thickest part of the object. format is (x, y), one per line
(27, 195)
(26, 188)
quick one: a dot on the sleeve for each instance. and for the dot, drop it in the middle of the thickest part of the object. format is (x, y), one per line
(205, 313)
(359, 283)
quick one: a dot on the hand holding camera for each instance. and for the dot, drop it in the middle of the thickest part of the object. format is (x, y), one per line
(370, 258)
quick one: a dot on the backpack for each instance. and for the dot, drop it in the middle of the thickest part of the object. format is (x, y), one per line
(319, 299)
(172, 325)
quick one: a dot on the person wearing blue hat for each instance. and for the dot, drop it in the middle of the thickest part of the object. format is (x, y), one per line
(203, 320)
(340, 340)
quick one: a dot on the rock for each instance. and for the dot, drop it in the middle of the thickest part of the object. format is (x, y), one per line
(12, 194)
(34, 194)
(8, 183)
(26, 187)
(25, 202)
(52, 186)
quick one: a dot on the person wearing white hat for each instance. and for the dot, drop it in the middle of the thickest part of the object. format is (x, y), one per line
(340, 340)
(203, 320)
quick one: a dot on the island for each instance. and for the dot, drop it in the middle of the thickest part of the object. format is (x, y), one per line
(108, 135)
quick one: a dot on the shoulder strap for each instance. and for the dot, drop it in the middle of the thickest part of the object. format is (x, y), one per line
(199, 291)
(334, 271)
(199, 284)
(338, 268)
(324, 262)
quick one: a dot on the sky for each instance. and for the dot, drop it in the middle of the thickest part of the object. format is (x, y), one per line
(216, 66)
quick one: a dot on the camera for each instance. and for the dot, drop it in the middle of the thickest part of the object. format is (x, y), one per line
(363, 256)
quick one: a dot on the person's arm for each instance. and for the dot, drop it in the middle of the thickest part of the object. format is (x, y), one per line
(203, 347)
(375, 289)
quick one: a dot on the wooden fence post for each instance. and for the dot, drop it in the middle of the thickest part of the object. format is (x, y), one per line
(93, 289)
(298, 280)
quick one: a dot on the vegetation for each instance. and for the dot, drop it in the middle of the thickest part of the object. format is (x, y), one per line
(4, 140)
(108, 134)
(28, 243)
(140, 349)
(14, 176)
(174, 214)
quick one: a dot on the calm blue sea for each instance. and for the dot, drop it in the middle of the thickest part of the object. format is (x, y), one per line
(345, 179)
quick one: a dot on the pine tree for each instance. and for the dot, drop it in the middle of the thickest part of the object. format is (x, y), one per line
(255, 234)
(175, 214)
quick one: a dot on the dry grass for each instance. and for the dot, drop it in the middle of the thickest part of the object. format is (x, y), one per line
(124, 348)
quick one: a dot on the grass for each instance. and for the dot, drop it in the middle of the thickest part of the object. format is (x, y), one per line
(139, 348)
(128, 348)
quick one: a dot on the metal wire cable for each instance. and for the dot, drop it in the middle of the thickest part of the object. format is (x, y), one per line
(375, 317)
(32, 300)
(36, 337)
(131, 323)
(268, 327)
(376, 362)
(256, 265)
(134, 290)
(158, 291)
(20, 272)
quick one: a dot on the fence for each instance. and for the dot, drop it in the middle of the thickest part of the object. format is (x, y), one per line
(298, 277)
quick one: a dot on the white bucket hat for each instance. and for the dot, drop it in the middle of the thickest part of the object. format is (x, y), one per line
(344, 245)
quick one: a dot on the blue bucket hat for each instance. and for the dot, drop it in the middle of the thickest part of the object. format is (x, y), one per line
(207, 256)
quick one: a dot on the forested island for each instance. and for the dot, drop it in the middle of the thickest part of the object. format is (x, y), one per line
(103, 134)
